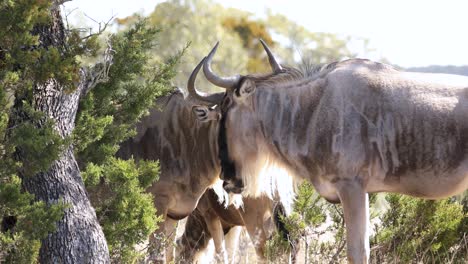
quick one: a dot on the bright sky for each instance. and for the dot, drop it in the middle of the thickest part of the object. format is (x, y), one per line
(407, 32)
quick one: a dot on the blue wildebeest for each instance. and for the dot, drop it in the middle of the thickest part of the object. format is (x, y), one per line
(169, 135)
(186, 149)
(350, 128)
(257, 215)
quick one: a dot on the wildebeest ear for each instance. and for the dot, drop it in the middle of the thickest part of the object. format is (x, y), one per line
(247, 88)
(205, 114)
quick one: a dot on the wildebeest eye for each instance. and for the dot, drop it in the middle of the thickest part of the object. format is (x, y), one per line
(201, 112)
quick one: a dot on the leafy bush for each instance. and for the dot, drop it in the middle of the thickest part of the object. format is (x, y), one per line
(106, 117)
(409, 230)
(423, 231)
(25, 222)
(125, 210)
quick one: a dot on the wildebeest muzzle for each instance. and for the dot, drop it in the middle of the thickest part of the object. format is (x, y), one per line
(235, 186)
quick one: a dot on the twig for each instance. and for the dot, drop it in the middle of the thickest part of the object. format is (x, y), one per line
(429, 248)
(91, 18)
(342, 243)
(66, 17)
(99, 73)
(60, 2)
(101, 28)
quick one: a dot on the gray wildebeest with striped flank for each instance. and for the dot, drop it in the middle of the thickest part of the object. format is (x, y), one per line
(350, 128)
(186, 149)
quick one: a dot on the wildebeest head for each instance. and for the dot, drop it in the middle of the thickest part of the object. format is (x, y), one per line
(207, 111)
(240, 135)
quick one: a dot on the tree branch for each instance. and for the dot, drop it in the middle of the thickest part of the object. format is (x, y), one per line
(61, 2)
(342, 243)
(66, 17)
(99, 73)
(102, 26)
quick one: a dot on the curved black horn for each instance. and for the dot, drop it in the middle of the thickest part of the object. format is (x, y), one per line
(212, 98)
(275, 66)
(225, 82)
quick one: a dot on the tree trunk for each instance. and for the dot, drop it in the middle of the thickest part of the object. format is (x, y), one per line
(78, 237)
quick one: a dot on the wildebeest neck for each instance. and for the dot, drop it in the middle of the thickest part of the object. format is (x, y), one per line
(287, 119)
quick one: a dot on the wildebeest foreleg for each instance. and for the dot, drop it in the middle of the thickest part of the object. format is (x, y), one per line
(355, 203)
(255, 227)
(161, 242)
(170, 228)
(232, 242)
(215, 228)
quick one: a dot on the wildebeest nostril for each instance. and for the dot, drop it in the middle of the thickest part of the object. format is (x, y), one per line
(239, 184)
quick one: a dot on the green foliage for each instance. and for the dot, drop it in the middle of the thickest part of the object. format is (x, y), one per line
(24, 132)
(38, 147)
(409, 230)
(125, 210)
(423, 230)
(320, 220)
(106, 117)
(53, 64)
(18, 249)
(34, 220)
(108, 113)
(16, 22)
(309, 212)
(276, 249)
(307, 205)
(93, 129)
(21, 54)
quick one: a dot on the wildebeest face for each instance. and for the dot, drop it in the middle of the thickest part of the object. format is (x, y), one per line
(240, 137)
(237, 128)
(207, 114)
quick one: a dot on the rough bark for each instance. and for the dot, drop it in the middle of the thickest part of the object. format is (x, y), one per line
(78, 237)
